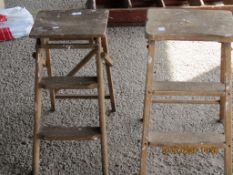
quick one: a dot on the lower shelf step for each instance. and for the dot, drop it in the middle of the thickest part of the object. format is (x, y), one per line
(181, 139)
(73, 133)
(69, 82)
(171, 88)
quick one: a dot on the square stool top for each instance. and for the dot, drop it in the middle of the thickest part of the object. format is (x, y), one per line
(189, 24)
(70, 24)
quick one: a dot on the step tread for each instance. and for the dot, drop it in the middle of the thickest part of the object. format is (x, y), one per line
(69, 82)
(188, 88)
(171, 138)
(69, 133)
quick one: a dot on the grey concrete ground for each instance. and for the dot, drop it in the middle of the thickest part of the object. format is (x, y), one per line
(180, 61)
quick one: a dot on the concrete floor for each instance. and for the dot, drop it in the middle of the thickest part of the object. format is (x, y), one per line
(180, 61)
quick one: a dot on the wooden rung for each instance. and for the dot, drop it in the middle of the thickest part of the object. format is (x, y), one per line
(80, 97)
(69, 82)
(68, 46)
(172, 101)
(169, 88)
(63, 133)
(182, 139)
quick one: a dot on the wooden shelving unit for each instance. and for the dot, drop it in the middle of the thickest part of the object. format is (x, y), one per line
(133, 12)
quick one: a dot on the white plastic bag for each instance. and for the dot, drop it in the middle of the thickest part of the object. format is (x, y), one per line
(15, 23)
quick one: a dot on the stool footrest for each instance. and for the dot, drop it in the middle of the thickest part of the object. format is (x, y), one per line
(181, 139)
(169, 88)
(72, 133)
(69, 82)
(80, 96)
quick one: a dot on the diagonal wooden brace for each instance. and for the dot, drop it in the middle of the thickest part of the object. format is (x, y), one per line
(82, 63)
(107, 58)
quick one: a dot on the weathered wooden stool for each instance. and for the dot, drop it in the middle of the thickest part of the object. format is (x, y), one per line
(189, 25)
(74, 29)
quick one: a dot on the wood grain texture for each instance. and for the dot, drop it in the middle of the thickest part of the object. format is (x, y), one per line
(102, 110)
(73, 133)
(169, 139)
(70, 24)
(189, 24)
(188, 88)
(109, 64)
(37, 111)
(69, 82)
(80, 96)
(147, 107)
(172, 101)
(228, 109)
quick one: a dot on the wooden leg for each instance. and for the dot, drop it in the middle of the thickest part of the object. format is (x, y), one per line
(222, 80)
(37, 115)
(109, 76)
(110, 87)
(102, 111)
(228, 110)
(147, 108)
(50, 74)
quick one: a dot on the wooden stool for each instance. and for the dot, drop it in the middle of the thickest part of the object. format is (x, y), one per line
(189, 25)
(74, 29)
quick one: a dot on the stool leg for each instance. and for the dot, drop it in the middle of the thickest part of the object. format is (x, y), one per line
(147, 108)
(102, 111)
(37, 115)
(109, 76)
(50, 74)
(222, 80)
(110, 87)
(228, 109)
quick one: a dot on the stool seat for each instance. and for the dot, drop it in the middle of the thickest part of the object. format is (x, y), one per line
(191, 25)
(73, 24)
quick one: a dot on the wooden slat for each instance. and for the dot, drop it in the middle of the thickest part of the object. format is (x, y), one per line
(68, 24)
(189, 25)
(80, 97)
(68, 46)
(176, 139)
(63, 133)
(171, 101)
(69, 82)
(166, 88)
